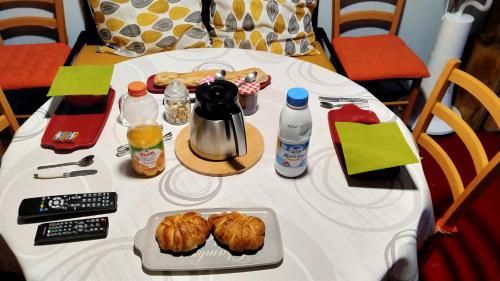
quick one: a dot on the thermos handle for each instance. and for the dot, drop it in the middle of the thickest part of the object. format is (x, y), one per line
(239, 133)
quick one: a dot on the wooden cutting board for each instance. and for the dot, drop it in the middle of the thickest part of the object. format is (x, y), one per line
(255, 149)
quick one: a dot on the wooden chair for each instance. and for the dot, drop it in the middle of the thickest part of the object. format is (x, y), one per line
(7, 118)
(370, 60)
(27, 70)
(486, 171)
(471, 252)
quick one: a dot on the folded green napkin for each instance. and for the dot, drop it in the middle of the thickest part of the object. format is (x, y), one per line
(81, 80)
(373, 147)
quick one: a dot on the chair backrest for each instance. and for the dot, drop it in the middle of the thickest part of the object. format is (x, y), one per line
(486, 170)
(7, 118)
(342, 22)
(52, 27)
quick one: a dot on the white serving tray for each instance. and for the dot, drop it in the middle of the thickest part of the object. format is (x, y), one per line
(211, 256)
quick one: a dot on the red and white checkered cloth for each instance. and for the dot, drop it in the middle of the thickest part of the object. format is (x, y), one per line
(246, 89)
(207, 79)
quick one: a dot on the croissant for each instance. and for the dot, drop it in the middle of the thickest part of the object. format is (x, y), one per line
(238, 232)
(182, 232)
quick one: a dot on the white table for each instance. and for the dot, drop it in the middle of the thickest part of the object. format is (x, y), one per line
(330, 230)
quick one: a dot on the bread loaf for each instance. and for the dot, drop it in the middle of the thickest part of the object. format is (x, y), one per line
(192, 79)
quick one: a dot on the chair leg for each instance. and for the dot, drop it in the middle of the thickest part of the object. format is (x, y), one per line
(412, 97)
(7, 111)
(2, 151)
(334, 59)
(22, 116)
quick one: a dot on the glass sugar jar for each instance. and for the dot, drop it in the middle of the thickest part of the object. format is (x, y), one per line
(177, 103)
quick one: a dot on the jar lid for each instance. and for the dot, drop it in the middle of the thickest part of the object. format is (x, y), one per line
(247, 88)
(137, 88)
(176, 91)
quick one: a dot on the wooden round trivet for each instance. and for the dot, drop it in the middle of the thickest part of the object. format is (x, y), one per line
(255, 148)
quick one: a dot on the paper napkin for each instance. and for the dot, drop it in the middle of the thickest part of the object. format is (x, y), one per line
(373, 147)
(82, 80)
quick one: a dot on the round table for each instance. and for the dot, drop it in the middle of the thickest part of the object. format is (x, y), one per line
(331, 229)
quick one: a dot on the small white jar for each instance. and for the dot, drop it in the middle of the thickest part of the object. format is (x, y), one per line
(177, 103)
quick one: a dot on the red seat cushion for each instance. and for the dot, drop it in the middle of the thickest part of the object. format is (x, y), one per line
(30, 65)
(378, 57)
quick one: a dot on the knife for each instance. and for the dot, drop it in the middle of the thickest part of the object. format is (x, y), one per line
(65, 175)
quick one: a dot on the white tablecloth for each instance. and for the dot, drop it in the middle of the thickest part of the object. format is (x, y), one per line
(331, 229)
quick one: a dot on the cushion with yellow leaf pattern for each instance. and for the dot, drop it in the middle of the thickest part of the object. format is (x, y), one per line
(138, 27)
(279, 26)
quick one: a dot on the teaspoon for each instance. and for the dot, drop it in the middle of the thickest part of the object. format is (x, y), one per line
(84, 162)
(220, 75)
(251, 77)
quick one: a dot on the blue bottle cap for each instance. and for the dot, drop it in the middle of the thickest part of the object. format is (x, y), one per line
(297, 97)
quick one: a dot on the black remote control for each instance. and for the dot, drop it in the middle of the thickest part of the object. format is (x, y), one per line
(66, 206)
(68, 231)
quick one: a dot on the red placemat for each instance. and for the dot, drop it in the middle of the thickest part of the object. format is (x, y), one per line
(87, 121)
(159, 90)
(352, 113)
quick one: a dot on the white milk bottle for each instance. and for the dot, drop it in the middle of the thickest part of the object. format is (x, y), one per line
(294, 133)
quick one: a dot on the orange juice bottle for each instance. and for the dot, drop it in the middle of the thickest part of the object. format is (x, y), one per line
(144, 134)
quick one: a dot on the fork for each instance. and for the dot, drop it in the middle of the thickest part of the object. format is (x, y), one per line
(125, 148)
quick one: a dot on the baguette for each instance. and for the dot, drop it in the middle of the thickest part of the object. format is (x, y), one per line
(192, 79)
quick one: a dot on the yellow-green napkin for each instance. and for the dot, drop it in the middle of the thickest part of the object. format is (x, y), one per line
(81, 80)
(373, 147)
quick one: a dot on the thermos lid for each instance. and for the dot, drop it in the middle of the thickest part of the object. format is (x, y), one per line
(218, 98)
(297, 97)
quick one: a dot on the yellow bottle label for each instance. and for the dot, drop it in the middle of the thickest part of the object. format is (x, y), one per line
(146, 149)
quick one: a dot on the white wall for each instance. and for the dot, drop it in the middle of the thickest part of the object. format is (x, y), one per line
(74, 19)
(420, 23)
(419, 26)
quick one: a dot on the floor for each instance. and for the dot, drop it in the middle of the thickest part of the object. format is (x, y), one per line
(438, 185)
(9, 268)
(473, 253)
